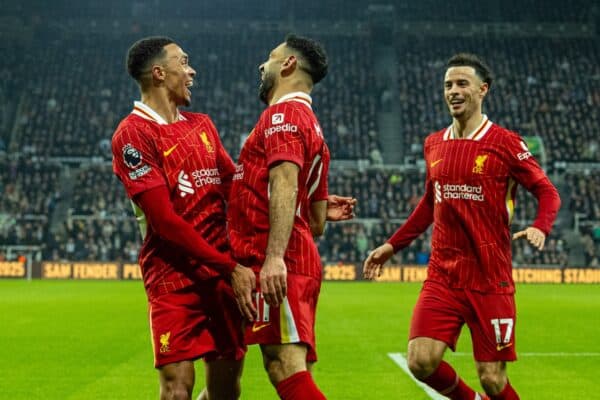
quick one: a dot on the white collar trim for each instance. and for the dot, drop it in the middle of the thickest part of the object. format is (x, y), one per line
(145, 111)
(477, 134)
(301, 97)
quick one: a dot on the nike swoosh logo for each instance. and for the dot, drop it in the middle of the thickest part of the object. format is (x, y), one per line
(256, 328)
(166, 153)
(436, 162)
(502, 347)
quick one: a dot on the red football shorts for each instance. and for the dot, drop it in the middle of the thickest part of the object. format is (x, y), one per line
(201, 320)
(440, 313)
(291, 322)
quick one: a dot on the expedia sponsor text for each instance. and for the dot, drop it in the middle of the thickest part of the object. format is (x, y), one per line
(281, 128)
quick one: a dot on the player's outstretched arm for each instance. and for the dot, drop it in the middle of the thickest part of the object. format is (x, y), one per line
(374, 263)
(317, 216)
(335, 208)
(528, 173)
(283, 191)
(340, 208)
(159, 212)
(548, 205)
(536, 237)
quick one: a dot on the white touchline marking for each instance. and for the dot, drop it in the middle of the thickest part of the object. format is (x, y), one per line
(534, 354)
(401, 362)
(399, 359)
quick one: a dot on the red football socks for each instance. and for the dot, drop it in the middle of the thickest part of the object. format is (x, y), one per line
(299, 386)
(508, 393)
(447, 382)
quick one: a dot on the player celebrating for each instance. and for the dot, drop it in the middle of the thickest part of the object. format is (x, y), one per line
(279, 200)
(177, 174)
(473, 168)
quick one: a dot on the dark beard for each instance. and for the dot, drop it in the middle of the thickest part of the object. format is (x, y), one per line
(265, 87)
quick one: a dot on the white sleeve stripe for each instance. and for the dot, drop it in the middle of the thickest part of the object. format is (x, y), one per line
(317, 181)
(314, 164)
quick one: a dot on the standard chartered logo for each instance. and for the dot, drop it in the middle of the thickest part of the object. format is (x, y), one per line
(438, 192)
(200, 177)
(239, 172)
(207, 176)
(184, 184)
(463, 192)
(458, 192)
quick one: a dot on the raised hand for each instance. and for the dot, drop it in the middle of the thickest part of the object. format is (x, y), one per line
(340, 208)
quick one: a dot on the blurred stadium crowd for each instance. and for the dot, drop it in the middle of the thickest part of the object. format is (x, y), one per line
(68, 93)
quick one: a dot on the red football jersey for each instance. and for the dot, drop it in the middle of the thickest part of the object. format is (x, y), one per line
(186, 156)
(286, 131)
(470, 194)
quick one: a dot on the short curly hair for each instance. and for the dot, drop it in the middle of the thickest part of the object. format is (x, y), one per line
(143, 52)
(313, 53)
(471, 60)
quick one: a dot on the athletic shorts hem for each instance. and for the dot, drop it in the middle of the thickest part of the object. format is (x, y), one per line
(450, 345)
(182, 357)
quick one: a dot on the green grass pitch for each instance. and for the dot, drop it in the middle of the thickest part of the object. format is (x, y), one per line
(89, 340)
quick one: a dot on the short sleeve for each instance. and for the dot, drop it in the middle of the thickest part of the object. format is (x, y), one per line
(522, 165)
(135, 160)
(283, 132)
